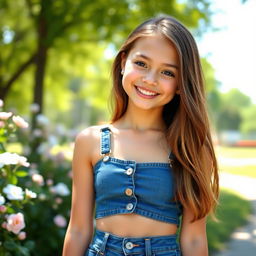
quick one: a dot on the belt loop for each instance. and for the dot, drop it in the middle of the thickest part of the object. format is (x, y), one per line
(148, 247)
(103, 245)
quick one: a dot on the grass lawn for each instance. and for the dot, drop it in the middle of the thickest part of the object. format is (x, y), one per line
(237, 167)
(232, 212)
(236, 152)
(246, 170)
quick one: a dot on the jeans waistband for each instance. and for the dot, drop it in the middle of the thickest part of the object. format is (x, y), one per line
(134, 245)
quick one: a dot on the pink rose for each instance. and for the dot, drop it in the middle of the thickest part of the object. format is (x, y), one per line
(22, 235)
(15, 222)
(4, 225)
(20, 122)
(60, 221)
(5, 115)
(38, 179)
(3, 208)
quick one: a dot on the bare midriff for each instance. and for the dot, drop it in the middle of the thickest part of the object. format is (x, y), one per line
(134, 225)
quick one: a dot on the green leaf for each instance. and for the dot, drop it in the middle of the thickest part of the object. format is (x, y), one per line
(30, 244)
(13, 180)
(10, 245)
(21, 173)
(23, 251)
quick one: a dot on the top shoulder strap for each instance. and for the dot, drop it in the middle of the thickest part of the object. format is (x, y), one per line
(105, 145)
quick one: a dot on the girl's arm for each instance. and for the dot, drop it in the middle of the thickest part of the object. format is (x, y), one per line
(80, 228)
(193, 237)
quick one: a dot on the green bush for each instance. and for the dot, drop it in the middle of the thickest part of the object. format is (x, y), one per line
(42, 188)
(232, 212)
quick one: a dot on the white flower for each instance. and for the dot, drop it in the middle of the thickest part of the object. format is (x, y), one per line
(1, 103)
(5, 115)
(2, 200)
(30, 194)
(60, 189)
(42, 120)
(12, 158)
(13, 192)
(20, 122)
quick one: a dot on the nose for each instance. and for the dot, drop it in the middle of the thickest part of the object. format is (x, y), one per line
(150, 78)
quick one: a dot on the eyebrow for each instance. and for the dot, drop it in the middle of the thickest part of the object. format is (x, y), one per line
(147, 58)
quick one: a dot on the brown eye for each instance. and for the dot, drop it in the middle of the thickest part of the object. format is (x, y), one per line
(140, 63)
(168, 73)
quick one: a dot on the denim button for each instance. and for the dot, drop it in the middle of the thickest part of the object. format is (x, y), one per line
(105, 158)
(129, 206)
(129, 171)
(128, 192)
(129, 245)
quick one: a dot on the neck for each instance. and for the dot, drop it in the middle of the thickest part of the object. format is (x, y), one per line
(141, 120)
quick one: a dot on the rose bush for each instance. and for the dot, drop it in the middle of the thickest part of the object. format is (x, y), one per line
(13, 195)
(34, 187)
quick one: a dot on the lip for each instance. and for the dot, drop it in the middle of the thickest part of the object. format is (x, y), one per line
(144, 95)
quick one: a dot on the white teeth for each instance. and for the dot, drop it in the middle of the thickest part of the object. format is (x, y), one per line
(146, 92)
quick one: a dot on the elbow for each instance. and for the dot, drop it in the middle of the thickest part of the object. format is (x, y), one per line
(196, 246)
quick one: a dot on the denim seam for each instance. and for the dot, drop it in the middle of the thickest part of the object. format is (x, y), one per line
(118, 210)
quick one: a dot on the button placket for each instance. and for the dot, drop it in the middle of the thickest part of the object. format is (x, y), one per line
(129, 191)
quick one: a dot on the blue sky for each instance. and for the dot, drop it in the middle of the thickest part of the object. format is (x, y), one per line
(232, 49)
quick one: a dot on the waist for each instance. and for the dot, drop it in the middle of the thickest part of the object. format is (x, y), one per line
(135, 225)
(107, 242)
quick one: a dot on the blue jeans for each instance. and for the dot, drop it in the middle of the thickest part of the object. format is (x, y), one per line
(106, 244)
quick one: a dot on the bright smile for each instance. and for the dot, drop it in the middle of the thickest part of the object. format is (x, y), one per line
(145, 93)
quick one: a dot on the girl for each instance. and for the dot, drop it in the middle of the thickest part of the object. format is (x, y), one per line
(154, 162)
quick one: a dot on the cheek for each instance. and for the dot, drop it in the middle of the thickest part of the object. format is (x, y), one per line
(170, 87)
(131, 75)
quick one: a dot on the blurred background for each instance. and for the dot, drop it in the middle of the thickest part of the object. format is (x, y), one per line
(55, 63)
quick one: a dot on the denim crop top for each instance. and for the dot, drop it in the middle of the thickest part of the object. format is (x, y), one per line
(124, 186)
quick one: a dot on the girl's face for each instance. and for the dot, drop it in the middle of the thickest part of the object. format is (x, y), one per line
(151, 72)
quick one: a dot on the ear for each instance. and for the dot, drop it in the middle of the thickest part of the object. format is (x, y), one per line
(178, 91)
(123, 60)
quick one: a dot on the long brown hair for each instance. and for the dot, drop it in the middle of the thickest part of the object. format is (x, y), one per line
(188, 133)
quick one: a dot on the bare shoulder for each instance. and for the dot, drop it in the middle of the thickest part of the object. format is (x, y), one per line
(87, 142)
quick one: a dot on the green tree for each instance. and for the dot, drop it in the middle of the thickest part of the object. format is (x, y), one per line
(31, 29)
(212, 88)
(232, 105)
(248, 125)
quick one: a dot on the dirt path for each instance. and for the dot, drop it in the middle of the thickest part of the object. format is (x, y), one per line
(243, 240)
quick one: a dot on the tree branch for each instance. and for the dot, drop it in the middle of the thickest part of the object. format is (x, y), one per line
(15, 76)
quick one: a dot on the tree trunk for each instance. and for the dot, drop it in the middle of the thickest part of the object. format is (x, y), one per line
(40, 63)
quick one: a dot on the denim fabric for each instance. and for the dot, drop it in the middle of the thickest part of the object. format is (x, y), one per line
(124, 186)
(107, 244)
